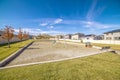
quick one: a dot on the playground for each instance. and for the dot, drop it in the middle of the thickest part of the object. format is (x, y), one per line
(48, 50)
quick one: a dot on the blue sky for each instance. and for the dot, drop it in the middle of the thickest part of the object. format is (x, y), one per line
(61, 16)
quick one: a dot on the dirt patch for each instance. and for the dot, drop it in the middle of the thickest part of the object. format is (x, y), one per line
(47, 50)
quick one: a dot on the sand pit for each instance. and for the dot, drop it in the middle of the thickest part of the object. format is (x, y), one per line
(49, 50)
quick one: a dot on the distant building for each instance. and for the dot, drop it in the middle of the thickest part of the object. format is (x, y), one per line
(31, 36)
(60, 36)
(1, 32)
(68, 36)
(112, 35)
(77, 36)
(99, 37)
(89, 37)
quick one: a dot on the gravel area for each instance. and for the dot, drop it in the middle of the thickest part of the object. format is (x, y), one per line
(49, 50)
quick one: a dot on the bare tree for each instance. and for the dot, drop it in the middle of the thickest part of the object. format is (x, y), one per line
(8, 34)
(20, 34)
(25, 35)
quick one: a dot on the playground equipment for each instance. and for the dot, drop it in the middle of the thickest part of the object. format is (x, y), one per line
(88, 44)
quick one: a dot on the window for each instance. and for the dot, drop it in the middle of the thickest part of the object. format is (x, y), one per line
(116, 38)
(108, 38)
(107, 34)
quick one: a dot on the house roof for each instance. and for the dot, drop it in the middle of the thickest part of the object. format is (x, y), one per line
(59, 35)
(68, 34)
(90, 35)
(117, 30)
(78, 34)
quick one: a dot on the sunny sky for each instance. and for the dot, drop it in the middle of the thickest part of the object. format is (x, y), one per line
(61, 16)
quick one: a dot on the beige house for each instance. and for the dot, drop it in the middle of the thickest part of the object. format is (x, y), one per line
(112, 35)
(77, 36)
(67, 36)
(99, 37)
(60, 36)
(89, 37)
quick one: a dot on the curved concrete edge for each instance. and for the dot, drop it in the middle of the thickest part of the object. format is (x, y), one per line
(36, 63)
(97, 47)
(110, 50)
(118, 52)
(13, 56)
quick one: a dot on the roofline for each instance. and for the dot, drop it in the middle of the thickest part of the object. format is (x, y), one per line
(113, 31)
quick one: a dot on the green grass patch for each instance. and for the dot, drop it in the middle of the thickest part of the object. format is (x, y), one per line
(104, 66)
(5, 51)
(113, 46)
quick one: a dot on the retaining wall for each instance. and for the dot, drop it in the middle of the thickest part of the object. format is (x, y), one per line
(13, 56)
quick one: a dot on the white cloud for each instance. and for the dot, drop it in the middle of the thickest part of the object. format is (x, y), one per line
(94, 10)
(91, 10)
(96, 25)
(30, 30)
(58, 21)
(43, 24)
(50, 22)
(16, 30)
(90, 24)
(51, 32)
(51, 27)
(38, 31)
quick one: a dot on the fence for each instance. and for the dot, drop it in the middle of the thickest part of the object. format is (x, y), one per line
(96, 41)
(14, 39)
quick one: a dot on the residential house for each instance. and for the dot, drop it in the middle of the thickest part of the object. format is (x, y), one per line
(77, 36)
(60, 36)
(99, 37)
(112, 35)
(68, 36)
(89, 37)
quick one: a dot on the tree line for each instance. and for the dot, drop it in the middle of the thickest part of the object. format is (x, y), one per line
(8, 34)
(44, 36)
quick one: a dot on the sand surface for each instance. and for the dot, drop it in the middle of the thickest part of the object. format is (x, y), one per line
(49, 50)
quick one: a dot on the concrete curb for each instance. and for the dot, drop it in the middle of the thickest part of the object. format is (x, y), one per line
(36, 63)
(13, 56)
(96, 47)
(43, 62)
(118, 52)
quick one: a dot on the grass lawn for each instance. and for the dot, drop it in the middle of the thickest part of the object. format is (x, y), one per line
(105, 66)
(5, 51)
(115, 47)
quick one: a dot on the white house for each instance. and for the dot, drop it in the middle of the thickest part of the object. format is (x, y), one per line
(68, 36)
(99, 37)
(77, 36)
(112, 35)
(89, 37)
(60, 36)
